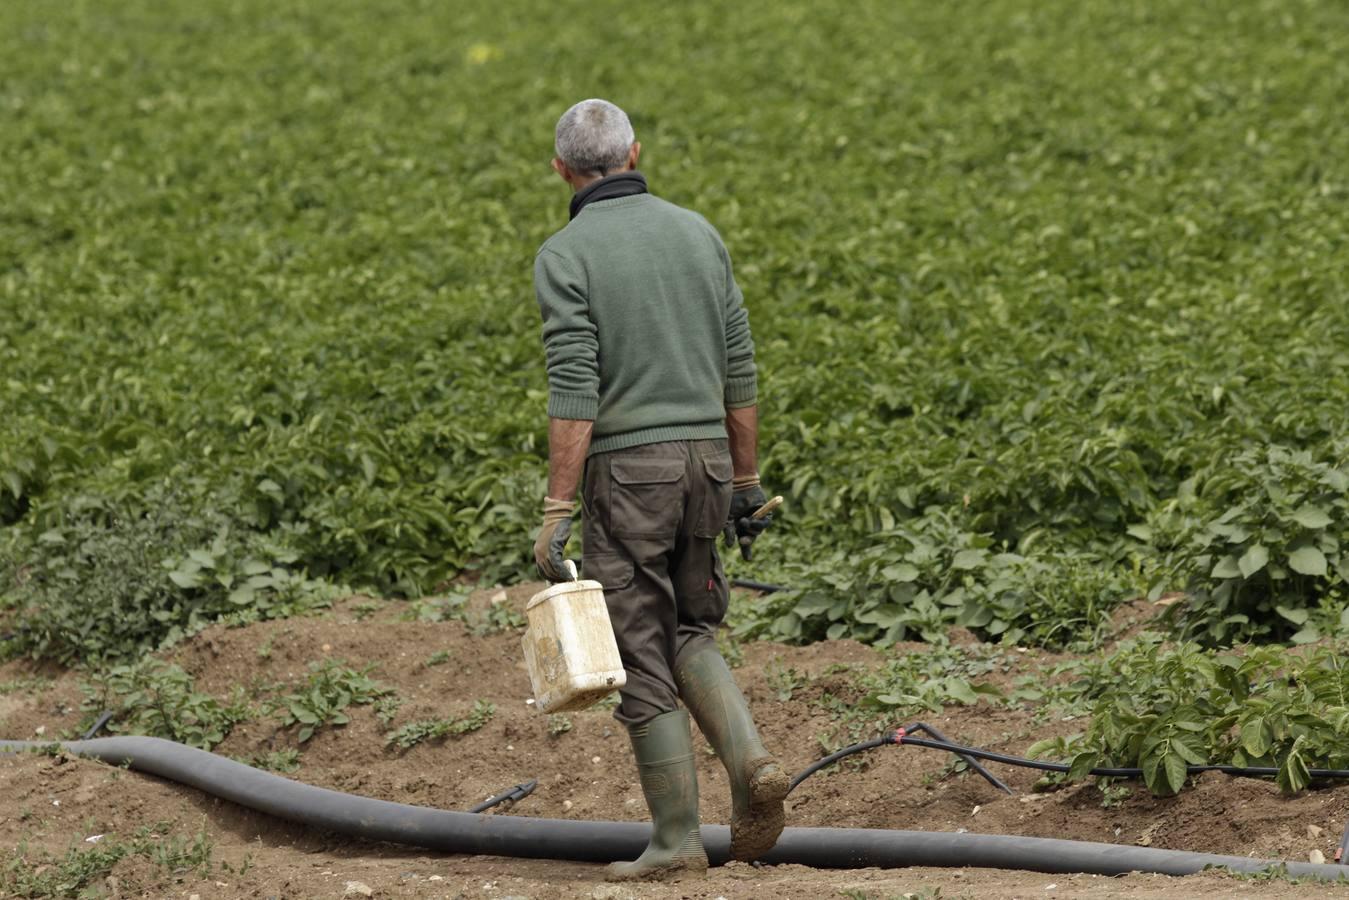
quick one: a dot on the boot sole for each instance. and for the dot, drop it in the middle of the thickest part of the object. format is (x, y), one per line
(756, 831)
(676, 870)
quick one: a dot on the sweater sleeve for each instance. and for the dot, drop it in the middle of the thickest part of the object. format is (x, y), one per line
(570, 342)
(741, 373)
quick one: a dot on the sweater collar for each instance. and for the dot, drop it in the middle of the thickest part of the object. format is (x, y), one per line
(621, 184)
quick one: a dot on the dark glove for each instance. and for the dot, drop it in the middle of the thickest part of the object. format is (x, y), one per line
(550, 547)
(740, 528)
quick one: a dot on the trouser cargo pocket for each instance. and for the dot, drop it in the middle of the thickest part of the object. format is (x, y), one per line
(716, 496)
(646, 498)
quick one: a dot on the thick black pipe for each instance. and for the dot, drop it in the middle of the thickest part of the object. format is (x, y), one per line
(456, 832)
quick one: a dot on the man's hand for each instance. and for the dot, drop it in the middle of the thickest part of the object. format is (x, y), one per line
(550, 547)
(747, 497)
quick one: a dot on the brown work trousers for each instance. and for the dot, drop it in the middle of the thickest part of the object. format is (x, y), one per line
(652, 515)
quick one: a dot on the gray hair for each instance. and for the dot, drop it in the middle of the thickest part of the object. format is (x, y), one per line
(594, 136)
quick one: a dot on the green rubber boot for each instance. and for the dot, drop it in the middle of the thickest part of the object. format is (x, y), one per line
(758, 783)
(664, 754)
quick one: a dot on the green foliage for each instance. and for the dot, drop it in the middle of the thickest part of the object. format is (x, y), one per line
(159, 699)
(30, 874)
(909, 684)
(1162, 708)
(331, 688)
(916, 580)
(277, 257)
(413, 733)
(111, 585)
(1262, 544)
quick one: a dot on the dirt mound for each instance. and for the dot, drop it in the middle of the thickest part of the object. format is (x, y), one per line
(584, 769)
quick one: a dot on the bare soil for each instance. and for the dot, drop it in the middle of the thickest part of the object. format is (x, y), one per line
(586, 772)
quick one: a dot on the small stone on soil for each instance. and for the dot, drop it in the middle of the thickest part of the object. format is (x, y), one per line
(1316, 856)
(358, 889)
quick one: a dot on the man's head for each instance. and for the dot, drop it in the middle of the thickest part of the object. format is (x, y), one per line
(594, 139)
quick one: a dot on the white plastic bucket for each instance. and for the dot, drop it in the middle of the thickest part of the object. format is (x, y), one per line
(569, 646)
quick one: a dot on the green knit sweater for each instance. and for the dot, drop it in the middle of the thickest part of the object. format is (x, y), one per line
(644, 329)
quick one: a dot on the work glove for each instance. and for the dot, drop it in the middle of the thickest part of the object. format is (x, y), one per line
(550, 546)
(746, 497)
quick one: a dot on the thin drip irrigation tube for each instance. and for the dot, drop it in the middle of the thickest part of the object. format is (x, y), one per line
(514, 795)
(103, 719)
(1239, 771)
(895, 737)
(761, 586)
(969, 754)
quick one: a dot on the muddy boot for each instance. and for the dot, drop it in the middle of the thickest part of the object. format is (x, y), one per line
(664, 754)
(758, 783)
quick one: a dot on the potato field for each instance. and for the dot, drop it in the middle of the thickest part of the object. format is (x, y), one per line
(1051, 309)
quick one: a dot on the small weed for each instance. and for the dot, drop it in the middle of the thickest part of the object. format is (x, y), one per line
(439, 658)
(330, 689)
(500, 617)
(365, 609)
(559, 724)
(732, 649)
(414, 733)
(1114, 795)
(785, 682)
(27, 685)
(265, 649)
(284, 761)
(1274, 872)
(387, 707)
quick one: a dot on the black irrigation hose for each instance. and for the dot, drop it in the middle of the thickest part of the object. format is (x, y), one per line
(514, 795)
(520, 836)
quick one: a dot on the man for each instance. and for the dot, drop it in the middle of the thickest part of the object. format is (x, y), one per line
(652, 390)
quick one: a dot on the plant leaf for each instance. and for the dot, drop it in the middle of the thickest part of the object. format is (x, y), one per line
(1308, 561)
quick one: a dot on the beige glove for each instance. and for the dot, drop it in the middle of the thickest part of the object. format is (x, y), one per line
(550, 547)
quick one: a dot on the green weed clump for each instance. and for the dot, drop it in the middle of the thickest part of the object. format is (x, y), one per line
(414, 733)
(113, 582)
(159, 699)
(77, 872)
(330, 689)
(906, 687)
